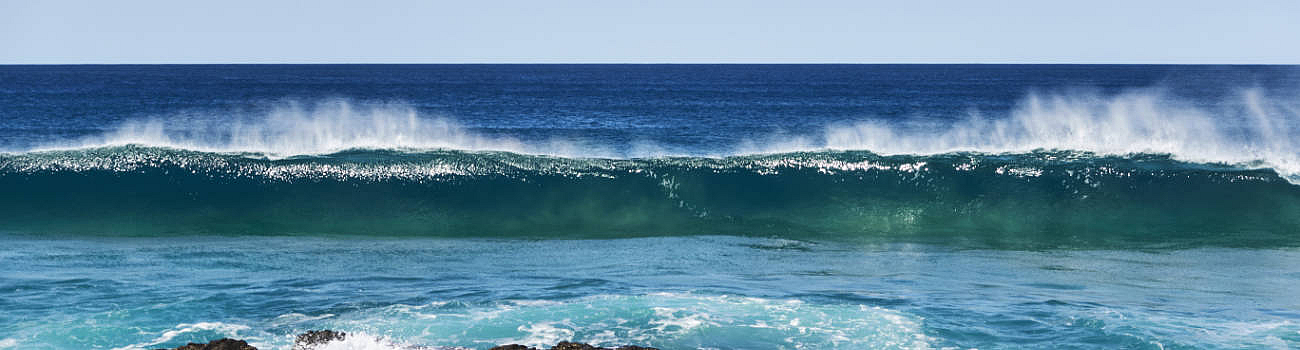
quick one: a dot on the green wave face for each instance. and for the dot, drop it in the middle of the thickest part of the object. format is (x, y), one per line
(1039, 199)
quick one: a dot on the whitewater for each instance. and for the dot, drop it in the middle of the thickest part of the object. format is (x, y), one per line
(1254, 130)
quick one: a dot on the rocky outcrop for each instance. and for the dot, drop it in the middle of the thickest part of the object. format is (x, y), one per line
(311, 339)
(219, 344)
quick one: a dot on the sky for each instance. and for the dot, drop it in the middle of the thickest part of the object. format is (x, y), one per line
(666, 31)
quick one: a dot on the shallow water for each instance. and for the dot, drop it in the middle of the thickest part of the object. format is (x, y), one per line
(675, 293)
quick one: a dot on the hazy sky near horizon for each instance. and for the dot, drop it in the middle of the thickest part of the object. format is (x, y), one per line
(1014, 31)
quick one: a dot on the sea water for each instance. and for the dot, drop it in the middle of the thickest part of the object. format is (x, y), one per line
(675, 206)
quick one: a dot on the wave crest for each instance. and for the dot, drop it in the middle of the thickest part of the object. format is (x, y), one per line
(1013, 200)
(1253, 129)
(324, 128)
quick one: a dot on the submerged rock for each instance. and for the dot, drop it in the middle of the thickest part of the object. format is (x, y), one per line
(219, 344)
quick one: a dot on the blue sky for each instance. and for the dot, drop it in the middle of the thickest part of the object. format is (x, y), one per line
(238, 31)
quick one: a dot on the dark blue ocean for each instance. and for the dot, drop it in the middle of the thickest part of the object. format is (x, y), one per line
(674, 206)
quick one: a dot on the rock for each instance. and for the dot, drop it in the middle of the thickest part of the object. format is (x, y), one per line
(512, 347)
(564, 345)
(308, 340)
(219, 344)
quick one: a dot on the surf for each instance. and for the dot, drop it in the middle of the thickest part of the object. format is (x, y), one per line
(1252, 127)
(1078, 168)
(1043, 198)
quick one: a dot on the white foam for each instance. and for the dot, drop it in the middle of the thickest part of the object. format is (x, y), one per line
(541, 334)
(324, 128)
(291, 318)
(677, 320)
(1253, 130)
(671, 320)
(361, 341)
(225, 329)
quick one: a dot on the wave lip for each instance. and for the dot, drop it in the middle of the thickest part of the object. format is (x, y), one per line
(1255, 129)
(324, 128)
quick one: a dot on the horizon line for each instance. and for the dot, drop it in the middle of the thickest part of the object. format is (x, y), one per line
(643, 63)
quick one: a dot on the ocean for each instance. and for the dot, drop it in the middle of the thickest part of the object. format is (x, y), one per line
(673, 206)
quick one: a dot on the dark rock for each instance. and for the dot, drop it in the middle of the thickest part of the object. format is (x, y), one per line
(564, 345)
(219, 344)
(512, 347)
(310, 339)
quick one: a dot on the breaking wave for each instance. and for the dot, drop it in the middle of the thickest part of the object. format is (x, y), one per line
(1036, 198)
(1065, 169)
(1253, 129)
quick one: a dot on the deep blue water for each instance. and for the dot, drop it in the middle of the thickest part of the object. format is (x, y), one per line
(692, 107)
(676, 206)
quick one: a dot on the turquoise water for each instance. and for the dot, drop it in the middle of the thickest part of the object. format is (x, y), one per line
(670, 292)
(1003, 201)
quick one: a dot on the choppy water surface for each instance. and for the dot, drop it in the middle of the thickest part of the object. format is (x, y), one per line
(682, 292)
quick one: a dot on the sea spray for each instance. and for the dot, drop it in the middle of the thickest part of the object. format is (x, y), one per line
(294, 129)
(1251, 129)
